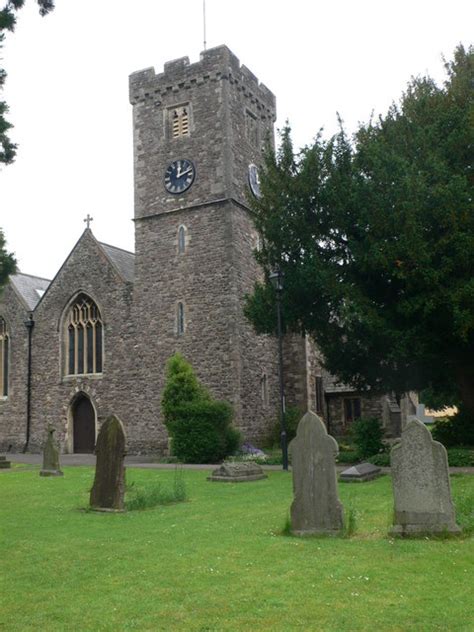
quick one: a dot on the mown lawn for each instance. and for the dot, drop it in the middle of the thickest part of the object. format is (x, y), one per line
(219, 561)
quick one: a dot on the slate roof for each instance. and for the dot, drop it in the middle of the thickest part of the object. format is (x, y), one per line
(30, 288)
(332, 386)
(122, 259)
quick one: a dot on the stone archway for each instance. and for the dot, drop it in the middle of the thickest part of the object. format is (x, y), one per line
(84, 425)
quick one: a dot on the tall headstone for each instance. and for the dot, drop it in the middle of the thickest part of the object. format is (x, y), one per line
(107, 493)
(316, 506)
(421, 488)
(51, 466)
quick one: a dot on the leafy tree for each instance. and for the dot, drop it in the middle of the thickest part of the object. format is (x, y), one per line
(7, 261)
(7, 23)
(375, 237)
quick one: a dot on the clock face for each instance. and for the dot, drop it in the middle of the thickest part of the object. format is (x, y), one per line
(179, 175)
(254, 180)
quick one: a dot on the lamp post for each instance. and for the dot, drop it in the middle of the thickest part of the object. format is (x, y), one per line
(29, 324)
(276, 279)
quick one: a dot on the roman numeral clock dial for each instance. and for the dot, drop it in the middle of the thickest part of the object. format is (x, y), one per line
(179, 176)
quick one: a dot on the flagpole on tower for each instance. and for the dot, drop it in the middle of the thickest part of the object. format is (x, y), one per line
(204, 21)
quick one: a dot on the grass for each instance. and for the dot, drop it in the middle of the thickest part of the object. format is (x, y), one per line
(220, 561)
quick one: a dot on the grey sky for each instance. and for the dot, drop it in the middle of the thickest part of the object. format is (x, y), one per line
(68, 91)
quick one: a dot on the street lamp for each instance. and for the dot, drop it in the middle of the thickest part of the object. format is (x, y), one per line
(276, 279)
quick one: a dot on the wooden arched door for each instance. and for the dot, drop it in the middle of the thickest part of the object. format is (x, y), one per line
(83, 415)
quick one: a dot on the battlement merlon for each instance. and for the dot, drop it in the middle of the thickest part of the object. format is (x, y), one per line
(214, 64)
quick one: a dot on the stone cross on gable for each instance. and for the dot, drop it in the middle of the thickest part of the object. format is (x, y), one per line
(88, 220)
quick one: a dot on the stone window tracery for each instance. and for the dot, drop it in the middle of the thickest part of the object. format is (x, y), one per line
(84, 337)
(4, 358)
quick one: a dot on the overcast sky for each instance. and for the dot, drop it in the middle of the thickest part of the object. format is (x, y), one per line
(67, 89)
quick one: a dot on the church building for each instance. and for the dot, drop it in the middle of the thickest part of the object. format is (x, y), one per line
(95, 339)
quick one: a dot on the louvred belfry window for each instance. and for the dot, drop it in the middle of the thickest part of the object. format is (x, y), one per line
(179, 121)
(4, 359)
(85, 337)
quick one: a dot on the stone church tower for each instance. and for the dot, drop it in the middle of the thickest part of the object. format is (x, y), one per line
(199, 130)
(95, 340)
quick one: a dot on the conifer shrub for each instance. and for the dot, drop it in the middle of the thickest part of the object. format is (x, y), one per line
(199, 426)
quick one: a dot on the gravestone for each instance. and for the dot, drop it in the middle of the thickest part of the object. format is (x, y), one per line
(107, 493)
(237, 473)
(360, 473)
(4, 464)
(51, 465)
(316, 507)
(421, 488)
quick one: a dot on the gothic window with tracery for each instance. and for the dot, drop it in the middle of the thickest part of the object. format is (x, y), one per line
(85, 337)
(179, 121)
(4, 359)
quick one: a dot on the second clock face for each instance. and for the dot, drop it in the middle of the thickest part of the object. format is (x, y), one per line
(179, 175)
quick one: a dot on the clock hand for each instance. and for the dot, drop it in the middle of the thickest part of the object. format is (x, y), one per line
(178, 171)
(183, 173)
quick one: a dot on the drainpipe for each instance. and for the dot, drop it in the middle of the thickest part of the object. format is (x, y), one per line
(29, 324)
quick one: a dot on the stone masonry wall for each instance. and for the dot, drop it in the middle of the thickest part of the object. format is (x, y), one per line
(86, 270)
(13, 407)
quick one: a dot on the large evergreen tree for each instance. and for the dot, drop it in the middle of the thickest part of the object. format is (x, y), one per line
(7, 23)
(375, 237)
(7, 262)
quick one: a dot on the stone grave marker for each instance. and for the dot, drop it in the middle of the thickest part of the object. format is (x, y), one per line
(4, 464)
(51, 466)
(421, 489)
(316, 507)
(360, 473)
(238, 473)
(107, 493)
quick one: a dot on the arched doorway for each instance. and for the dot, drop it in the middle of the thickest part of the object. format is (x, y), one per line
(83, 423)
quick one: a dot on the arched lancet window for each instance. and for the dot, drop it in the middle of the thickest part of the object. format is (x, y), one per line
(4, 351)
(181, 239)
(264, 389)
(84, 336)
(180, 316)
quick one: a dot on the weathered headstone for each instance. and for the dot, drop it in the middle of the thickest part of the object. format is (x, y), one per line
(360, 473)
(51, 465)
(237, 472)
(316, 507)
(107, 493)
(4, 464)
(421, 488)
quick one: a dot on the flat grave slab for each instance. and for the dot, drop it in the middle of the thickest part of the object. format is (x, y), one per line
(360, 473)
(237, 473)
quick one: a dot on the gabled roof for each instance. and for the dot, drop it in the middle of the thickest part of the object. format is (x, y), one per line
(123, 260)
(30, 288)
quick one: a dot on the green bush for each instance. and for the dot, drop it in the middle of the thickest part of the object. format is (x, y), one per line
(293, 416)
(454, 431)
(199, 426)
(347, 456)
(381, 459)
(367, 436)
(460, 457)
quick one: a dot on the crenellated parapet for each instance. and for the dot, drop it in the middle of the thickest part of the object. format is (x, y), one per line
(215, 64)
